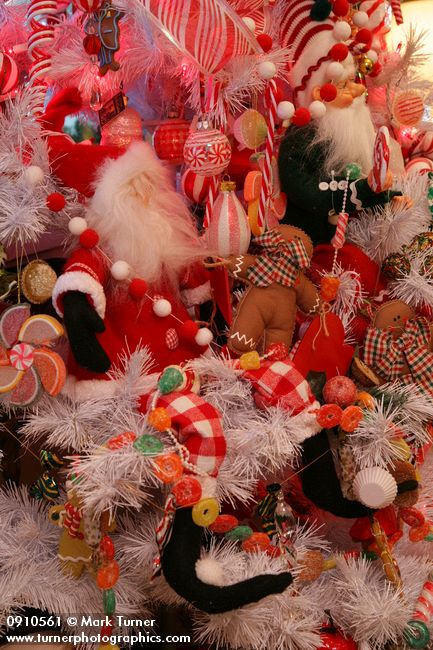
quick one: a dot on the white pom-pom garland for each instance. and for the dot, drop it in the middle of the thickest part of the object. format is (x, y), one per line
(34, 174)
(285, 110)
(372, 54)
(360, 18)
(342, 31)
(77, 225)
(204, 336)
(210, 571)
(267, 69)
(162, 308)
(317, 109)
(120, 270)
(334, 71)
(249, 22)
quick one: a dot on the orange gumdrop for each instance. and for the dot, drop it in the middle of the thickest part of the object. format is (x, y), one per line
(352, 416)
(365, 399)
(108, 575)
(329, 288)
(168, 468)
(159, 419)
(256, 542)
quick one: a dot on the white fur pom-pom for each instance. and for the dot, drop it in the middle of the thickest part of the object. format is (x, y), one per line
(342, 31)
(317, 109)
(210, 571)
(120, 270)
(334, 71)
(77, 225)
(34, 174)
(162, 308)
(267, 69)
(204, 336)
(360, 18)
(372, 54)
(285, 110)
(249, 22)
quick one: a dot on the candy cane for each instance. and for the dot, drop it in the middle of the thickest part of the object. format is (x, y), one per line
(265, 190)
(396, 10)
(340, 234)
(424, 604)
(213, 191)
(40, 15)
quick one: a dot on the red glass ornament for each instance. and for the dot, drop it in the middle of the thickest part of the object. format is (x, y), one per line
(207, 152)
(137, 288)
(364, 35)
(340, 8)
(188, 330)
(224, 523)
(106, 548)
(328, 92)
(56, 202)
(89, 238)
(339, 52)
(8, 73)
(265, 42)
(88, 5)
(169, 140)
(196, 187)
(301, 117)
(187, 491)
(108, 575)
(334, 640)
(91, 44)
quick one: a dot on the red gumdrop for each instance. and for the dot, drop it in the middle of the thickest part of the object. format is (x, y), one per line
(328, 92)
(340, 8)
(277, 352)
(223, 523)
(301, 117)
(188, 330)
(364, 35)
(187, 491)
(137, 288)
(339, 52)
(106, 629)
(256, 542)
(265, 42)
(376, 70)
(108, 575)
(55, 202)
(329, 416)
(89, 238)
(106, 547)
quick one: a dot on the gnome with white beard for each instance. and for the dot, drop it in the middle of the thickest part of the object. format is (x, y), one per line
(327, 47)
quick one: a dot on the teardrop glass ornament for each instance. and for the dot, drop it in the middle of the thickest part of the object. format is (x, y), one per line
(285, 524)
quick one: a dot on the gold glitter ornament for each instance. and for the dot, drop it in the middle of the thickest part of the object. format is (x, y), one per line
(37, 281)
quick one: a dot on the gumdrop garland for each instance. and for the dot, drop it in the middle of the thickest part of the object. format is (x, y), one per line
(138, 288)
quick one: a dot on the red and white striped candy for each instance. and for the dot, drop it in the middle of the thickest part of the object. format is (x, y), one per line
(419, 165)
(266, 188)
(207, 152)
(424, 604)
(424, 146)
(195, 187)
(229, 230)
(408, 108)
(21, 356)
(8, 74)
(396, 10)
(88, 5)
(340, 234)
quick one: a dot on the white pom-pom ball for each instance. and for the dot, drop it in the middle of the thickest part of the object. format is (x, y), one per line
(34, 174)
(317, 109)
(250, 23)
(342, 31)
(267, 69)
(210, 571)
(335, 71)
(120, 270)
(375, 44)
(285, 110)
(204, 336)
(360, 18)
(372, 54)
(162, 308)
(77, 225)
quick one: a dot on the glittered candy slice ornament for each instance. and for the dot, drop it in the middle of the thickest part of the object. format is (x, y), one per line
(51, 369)
(37, 281)
(408, 108)
(250, 129)
(11, 322)
(28, 391)
(9, 378)
(40, 330)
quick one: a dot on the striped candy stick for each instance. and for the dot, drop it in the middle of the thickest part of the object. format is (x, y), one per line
(424, 603)
(340, 234)
(40, 16)
(265, 190)
(396, 10)
(213, 191)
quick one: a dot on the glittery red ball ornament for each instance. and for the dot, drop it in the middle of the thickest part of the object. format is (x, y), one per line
(339, 52)
(91, 44)
(265, 42)
(137, 288)
(376, 69)
(364, 35)
(340, 8)
(301, 117)
(89, 238)
(328, 92)
(188, 330)
(56, 202)
(334, 640)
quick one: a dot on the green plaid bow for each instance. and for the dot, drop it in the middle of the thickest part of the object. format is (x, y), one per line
(280, 261)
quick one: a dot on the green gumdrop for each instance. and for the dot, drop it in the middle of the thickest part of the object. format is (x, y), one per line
(369, 555)
(416, 635)
(170, 379)
(148, 445)
(239, 533)
(429, 537)
(353, 170)
(109, 601)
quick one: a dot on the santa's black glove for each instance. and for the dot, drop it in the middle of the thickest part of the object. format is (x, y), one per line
(82, 322)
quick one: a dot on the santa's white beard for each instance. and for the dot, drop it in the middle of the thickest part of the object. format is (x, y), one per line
(347, 135)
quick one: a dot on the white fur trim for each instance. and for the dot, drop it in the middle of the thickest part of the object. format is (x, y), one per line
(85, 389)
(307, 422)
(78, 281)
(197, 295)
(210, 571)
(208, 486)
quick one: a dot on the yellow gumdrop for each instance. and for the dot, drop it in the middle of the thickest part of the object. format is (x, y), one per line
(108, 646)
(205, 512)
(402, 448)
(250, 361)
